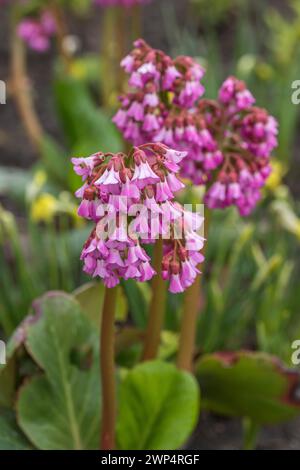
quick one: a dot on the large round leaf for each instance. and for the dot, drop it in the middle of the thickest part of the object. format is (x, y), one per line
(10, 436)
(61, 409)
(91, 297)
(159, 407)
(246, 384)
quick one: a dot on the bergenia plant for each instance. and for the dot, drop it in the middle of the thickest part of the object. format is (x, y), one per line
(228, 141)
(130, 198)
(140, 186)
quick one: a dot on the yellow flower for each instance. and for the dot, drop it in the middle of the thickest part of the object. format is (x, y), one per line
(276, 176)
(44, 208)
(40, 178)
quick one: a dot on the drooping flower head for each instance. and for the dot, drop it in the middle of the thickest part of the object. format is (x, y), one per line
(37, 32)
(228, 141)
(246, 136)
(131, 200)
(162, 86)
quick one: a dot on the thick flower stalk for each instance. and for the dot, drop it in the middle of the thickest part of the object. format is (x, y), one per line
(131, 200)
(37, 31)
(228, 141)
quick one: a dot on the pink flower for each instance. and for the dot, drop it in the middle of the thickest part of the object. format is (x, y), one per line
(175, 284)
(150, 123)
(37, 32)
(234, 94)
(114, 252)
(144, 175)
(170, 76)
(228, 141)
(181, 260)
(152, 74)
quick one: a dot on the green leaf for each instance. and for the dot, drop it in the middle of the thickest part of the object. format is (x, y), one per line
(7, 383)
(159, 407)
(138, 297)
(246, 384)
(87, 128)
(91, 298)
(55, 159)
(10, 437)
(13, 182)
(61, 409)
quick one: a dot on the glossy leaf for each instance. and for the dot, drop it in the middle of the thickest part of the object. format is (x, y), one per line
(91, 298)
(159, 407)
(10, 436)
(7, 383)
(61, 409)
(246, 384)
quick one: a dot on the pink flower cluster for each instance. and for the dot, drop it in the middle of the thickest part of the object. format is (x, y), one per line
(123, 3)
(144, 181)
(246, 136)
(37, 32)
(229, 141)
(161, 85)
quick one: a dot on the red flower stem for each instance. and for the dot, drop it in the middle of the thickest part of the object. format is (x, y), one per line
(22, 93)
(136, 23)
(107, 364)
(188, 327)
(61, 34)
(157, 307)
(113, 42)
(191, 309)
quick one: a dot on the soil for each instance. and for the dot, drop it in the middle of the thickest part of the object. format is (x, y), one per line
(217, 433)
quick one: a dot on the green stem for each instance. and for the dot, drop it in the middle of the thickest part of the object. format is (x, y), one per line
(157, 307)
(107, 363)
(251, 431)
